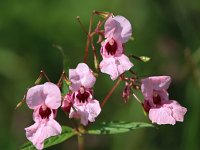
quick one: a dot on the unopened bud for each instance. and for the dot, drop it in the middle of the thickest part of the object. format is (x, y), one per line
(103, 14)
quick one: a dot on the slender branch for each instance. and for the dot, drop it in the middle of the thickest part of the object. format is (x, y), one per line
(111, 92)
(21, 102)
(137, 98)
(42, 73)
(88, 38)
(61, 78)
(82, 26)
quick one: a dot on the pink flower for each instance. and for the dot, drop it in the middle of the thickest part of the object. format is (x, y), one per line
(85, 107)
(117, 31)
(115, 66)
(44, 100)
(81, 76)
(80, 102)
(156, 101)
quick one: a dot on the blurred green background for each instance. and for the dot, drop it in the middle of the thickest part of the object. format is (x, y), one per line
(168, 31)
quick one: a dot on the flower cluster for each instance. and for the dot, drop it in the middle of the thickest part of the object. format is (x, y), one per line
(79, 102)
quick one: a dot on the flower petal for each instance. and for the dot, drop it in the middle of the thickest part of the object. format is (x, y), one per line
(118, 28)
(80, 113)
(53, 95)
(40, 131)
(115, 66)
(35, 97)
(93, 109)
(81, 76)
(158, 83)
(108, 66)
(177, 109)
(162, 115)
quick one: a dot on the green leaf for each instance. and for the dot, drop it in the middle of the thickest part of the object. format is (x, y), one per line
(65, 88)
(67, 133)
(116, 127)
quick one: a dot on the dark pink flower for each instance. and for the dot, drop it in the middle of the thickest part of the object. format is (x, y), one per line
(44, 100)
(67, 103)
(117, 31)
(156, 101)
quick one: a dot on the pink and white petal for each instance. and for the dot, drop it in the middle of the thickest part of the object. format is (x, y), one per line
(162, 115)
(93, 109)
(126, 32)
(160, 82)
(123, 63)
(108, 66)
(53, 95)
(119, 28)
(80, 113)
(147, 88)
(36, 115)
(75, 80)
(82, 68)
(51, 128)
(178, 110)
(35, 97)
(40, 131)
(88, 80)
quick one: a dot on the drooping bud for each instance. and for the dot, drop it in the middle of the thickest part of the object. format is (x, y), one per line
(126, 92)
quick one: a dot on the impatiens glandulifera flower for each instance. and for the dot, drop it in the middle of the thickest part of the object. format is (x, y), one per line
(80, 101)
(81, 76)
(161, 110)
(118, 30)
(44, 99)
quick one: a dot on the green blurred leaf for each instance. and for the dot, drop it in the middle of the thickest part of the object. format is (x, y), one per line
(116, 127)
(67, 133)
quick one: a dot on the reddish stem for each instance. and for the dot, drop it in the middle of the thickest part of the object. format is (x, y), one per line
(111, 92)
(88, 39)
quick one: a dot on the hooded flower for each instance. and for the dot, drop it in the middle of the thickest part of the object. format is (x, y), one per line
(156, 101)
(44, 100)
(117, 31)
(80, 103)
(81, 76)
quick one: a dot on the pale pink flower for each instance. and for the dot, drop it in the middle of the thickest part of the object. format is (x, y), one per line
(85, 107)
(156, 101)
(118, 30)
(81, 76)
(81, 102)
(44, 100)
